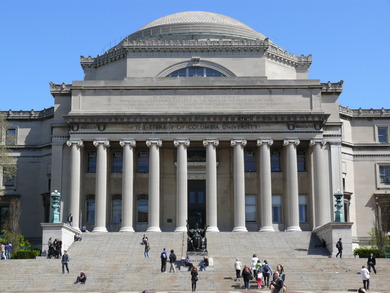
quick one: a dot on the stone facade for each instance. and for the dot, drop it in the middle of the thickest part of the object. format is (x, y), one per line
(216, 126)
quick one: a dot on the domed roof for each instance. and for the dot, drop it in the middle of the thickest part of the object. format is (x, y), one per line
(196, 25)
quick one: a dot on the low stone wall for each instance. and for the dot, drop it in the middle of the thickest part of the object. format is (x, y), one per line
(62, 231)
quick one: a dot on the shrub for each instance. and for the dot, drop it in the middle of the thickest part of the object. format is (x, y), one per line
(364, 252)
(26, 254)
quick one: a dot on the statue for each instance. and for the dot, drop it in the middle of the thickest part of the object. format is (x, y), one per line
(196, 240)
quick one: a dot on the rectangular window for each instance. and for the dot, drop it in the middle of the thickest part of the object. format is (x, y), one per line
(383, 136)
(91, 167)
(117, 162)
(275, 161)
(90, 204)
(276, 209)
(10, 137)
(384, 175)
(143, 162)
(116, 211)
(142, 208)
(303, 209)
(250, 161)
(301, 161)
(250, 208)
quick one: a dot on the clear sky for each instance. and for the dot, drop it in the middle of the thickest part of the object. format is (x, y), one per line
(42, 40)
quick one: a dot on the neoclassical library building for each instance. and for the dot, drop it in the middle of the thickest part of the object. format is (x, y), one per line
(198, 119)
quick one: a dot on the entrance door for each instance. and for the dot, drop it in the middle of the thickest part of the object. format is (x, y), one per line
(196, 203)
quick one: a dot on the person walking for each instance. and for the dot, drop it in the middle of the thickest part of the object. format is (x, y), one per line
(238, 268)
(277, 283)
(280, 270)
(365, 278)
(172, 261)
(246, 275)
(147, 248)
(259, 274)
(267, 272)
(69, 220)
(8, 250)
(339, 246)
(164, 258)
(194, 278)
(65, 261)
(371, 263)
(254, 261)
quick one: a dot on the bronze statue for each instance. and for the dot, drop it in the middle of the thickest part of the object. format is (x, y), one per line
(197, 240)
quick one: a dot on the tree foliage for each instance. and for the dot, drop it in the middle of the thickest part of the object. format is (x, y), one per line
(17, 240)
(379, 238)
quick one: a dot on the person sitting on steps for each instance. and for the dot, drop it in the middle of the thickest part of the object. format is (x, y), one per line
(81, 279)
(187, 263)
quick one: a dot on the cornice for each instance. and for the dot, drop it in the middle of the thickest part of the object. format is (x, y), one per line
(332, 87)
(29, 115)
(278, 54)
(364, 113)
(59, 88)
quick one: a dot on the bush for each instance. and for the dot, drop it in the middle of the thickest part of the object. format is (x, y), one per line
(26, 254)
(364, 252)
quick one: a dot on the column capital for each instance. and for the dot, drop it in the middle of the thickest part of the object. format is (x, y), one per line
(262, 141)
(234, 142)
(183, 141)
(104, 142)
(157, 142)
(215, 142)
(317, 140)
(287, 141)
(130, 142)
(78, 142)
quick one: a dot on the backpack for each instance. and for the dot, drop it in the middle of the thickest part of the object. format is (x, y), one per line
(266, 268)
(163, 255)
(338, 245)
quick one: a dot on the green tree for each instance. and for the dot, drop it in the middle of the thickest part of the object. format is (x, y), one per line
(17, 240)
(378, 238)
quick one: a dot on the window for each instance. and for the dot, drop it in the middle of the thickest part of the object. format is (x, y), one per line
(383, 136)
(301, 158)
(91, 168)
(8, 180)
(90, 204)
(142, 208)
(276, 209)
(250, 208)
(275, 161)
(303, 209)
(384, 175)
(4, 214)
(250, 161)
(117, 162)
(143, 162)
(10, 137)
(116, 209)
(196, 72)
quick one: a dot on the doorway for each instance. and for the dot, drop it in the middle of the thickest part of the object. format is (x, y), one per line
(196, 203)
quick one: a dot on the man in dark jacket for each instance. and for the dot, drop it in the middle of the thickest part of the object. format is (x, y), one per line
(172, 261)
(371, 262)
(65, 260)
(339, 246)
(164, 257)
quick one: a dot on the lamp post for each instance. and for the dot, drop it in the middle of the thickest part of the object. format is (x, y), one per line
(338, 213)
(55, 204)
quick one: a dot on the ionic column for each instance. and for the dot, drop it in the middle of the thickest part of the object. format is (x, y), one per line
(239, 184)
(211, 184)
(292, 185)
(75, 167)
(265, 199)
(154, 184)
(127, 185)
(181, 184)
(101, 185)
(321, 202)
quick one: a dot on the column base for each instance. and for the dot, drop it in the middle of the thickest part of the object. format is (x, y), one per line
(99, 229)
(267, 229)
(240, 229)
(153, 229)
(126, 229)
(294, 229)
(181, 229)
(212, 229)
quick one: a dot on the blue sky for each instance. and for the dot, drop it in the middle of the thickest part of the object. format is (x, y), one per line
(42, 40)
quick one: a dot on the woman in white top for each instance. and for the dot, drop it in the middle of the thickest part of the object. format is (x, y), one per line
(365, 277)
(238, 268)
(253, 265)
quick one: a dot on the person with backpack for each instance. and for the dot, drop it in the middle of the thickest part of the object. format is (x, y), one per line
(339, 246)
(247, 276)
(267, 272)
(172, 261)
(164, 257)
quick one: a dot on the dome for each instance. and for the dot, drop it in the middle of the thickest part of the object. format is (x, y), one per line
(195, 25)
